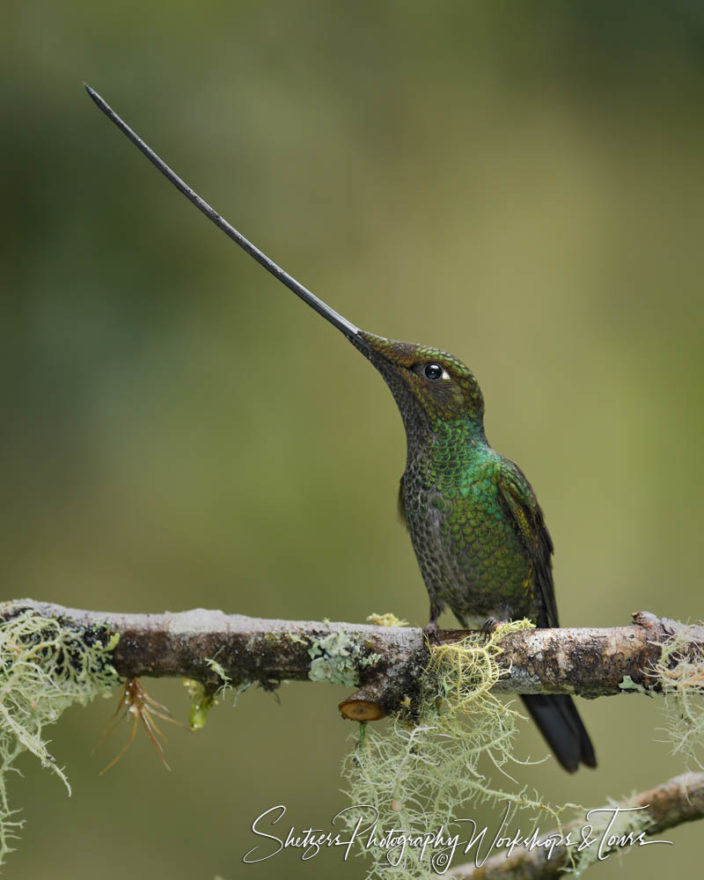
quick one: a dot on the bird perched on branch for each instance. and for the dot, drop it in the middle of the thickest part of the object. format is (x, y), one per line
(474, 521)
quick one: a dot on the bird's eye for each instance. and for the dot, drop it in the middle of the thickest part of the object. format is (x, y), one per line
(433, 371)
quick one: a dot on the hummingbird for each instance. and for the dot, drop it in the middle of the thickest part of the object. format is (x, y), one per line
(475, 524)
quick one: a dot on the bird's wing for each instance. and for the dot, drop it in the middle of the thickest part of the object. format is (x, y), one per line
(528, 517)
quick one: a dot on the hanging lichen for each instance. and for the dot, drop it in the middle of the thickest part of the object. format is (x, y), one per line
(418, 773)
(46, 665)
(681, 676)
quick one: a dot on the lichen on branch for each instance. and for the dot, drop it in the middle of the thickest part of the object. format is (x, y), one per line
(444, 700)
(385, 661)
(46, 665)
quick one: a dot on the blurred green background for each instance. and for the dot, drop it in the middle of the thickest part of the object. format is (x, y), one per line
(520, 184)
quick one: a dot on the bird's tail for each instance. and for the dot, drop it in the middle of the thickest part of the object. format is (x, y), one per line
(559, 722)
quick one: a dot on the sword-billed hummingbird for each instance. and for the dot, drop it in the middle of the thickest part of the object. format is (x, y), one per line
(474, 521)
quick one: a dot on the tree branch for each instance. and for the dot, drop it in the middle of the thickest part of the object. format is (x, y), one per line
(676, 801)
(384, 662)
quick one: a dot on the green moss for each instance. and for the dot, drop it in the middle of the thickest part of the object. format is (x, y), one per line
(202, 701)
(204, 696)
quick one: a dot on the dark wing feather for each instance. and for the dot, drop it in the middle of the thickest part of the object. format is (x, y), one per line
(555, 714)
(528, 517)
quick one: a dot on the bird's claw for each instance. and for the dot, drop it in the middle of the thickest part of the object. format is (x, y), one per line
(430, 631)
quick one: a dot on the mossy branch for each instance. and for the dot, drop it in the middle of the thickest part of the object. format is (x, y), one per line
(384, 661)
(672, 803)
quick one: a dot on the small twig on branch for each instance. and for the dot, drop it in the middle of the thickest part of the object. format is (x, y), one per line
(384, 662)
(676, 801)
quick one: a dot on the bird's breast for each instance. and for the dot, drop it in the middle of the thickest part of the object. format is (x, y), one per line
(468, 548)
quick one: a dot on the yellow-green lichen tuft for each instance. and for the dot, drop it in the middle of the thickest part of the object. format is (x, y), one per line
(46, 666)
(420, 772)
(387, 619)
(219, 670)
(681, 677)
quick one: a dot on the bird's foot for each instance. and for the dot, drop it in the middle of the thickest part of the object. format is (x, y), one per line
(430, 631)
(489, 626)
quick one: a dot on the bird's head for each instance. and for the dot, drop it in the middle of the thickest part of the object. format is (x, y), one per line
(429, 385)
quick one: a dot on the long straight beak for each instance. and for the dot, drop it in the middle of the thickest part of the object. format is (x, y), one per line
(342, 324)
